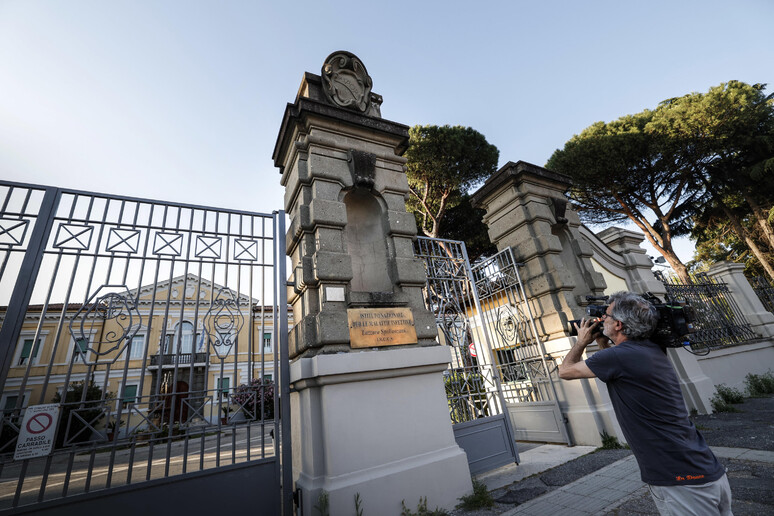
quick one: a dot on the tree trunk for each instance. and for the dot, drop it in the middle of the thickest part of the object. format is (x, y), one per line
(679, 267)
(761, 220)
(741, 233)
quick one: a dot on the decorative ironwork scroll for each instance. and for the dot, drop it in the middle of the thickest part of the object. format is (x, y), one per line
(104, 324)
(222, 323)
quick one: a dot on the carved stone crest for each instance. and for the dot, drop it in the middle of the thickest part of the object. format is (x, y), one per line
(346, 82)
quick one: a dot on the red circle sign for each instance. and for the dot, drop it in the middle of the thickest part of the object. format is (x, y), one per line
(39, 423)
(472, 349)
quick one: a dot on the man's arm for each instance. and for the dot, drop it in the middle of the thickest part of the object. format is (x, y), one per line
(573, 366)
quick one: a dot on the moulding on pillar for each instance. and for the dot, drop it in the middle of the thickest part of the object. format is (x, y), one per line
(526, 210)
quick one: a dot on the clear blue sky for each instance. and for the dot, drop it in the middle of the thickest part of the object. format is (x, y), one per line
(182, 99)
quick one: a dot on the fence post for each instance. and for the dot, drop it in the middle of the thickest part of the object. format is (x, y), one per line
(761, 321)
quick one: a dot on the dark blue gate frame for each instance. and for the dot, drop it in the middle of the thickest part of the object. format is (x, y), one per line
(275, 471)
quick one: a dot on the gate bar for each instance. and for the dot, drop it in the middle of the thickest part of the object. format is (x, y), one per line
(487, 338)
(542, 347)
(22, 292)
(281, 298)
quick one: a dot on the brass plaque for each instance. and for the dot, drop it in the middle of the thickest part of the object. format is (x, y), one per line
(374, 327)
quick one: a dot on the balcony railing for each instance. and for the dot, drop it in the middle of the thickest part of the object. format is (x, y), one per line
(181, 359)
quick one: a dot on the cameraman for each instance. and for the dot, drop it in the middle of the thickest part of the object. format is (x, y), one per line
(682, 473)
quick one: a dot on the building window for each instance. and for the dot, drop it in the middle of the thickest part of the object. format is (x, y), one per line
(129, 394)
(186, 338)
(137, 347)
(267, 342)
(183, 336)
(29, 353)
(81, 346)
(10, 403)
(223, 385)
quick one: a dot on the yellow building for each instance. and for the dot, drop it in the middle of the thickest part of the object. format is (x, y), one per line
(171, 352)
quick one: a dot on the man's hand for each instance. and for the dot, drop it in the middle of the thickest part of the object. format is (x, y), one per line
(586, 331)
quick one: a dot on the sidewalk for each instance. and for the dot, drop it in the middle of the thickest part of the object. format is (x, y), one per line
(555, 480)
(612, 486)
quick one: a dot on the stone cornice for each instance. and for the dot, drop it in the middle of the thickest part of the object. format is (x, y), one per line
(511, 172)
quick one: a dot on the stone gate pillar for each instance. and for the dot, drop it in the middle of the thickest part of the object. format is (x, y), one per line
(526, 209)
(368, 408)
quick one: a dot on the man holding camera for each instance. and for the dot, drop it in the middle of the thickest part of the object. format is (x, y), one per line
(682, 473)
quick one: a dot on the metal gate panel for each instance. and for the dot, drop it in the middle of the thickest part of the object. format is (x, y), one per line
(526, 372)
(158, 329)
(476, 404)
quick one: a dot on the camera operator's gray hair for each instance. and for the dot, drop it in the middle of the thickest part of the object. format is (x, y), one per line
(638, 316)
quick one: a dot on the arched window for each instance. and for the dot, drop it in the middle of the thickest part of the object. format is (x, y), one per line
(184, 335)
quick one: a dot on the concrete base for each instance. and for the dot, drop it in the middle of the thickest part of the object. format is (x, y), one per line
(375, 424)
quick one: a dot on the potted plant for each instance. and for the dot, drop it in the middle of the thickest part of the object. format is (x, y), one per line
(251, 398)
(112, 429)
(226, 410)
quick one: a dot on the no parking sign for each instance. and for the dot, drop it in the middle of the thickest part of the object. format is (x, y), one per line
(36, 435)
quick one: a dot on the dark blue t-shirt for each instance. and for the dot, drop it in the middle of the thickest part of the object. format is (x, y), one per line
(649, 406)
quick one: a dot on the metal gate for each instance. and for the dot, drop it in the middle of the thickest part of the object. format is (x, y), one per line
(526, 372)
(143, 356)
(476, 403)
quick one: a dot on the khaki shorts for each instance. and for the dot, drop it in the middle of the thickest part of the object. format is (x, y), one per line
(712, 498)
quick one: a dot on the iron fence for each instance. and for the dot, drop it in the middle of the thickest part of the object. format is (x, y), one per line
(764, 289)
(524, 367)
(718, 320)
(472, 382)
(153, 328)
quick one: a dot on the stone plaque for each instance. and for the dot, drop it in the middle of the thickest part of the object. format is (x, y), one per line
(374, 327)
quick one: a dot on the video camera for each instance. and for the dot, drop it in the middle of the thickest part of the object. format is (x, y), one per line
(675, 320)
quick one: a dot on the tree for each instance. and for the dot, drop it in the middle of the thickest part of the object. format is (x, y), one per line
(466, 223)
(684, 164)
(621, 171)
(80, 411)
(727, 134)
(443, 164)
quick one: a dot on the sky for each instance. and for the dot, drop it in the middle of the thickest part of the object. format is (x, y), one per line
(181, 100)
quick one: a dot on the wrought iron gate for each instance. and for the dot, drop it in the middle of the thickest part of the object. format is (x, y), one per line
(476, 403)
(526, 372)
(152, 336)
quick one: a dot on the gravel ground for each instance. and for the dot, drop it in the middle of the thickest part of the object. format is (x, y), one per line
(752, 427)
(751, 482)
(531, 487)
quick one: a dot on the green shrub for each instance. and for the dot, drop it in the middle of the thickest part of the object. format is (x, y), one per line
(729, 394)
(720, 405)
(77, 408)
(467, 395)
(479, 499)
(760, 384)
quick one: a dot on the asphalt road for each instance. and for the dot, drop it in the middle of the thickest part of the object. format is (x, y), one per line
(108, 468)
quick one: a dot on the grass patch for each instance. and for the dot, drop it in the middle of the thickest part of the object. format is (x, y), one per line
(610, 442)
(422, 509)
(478, 500)
(760, 384)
